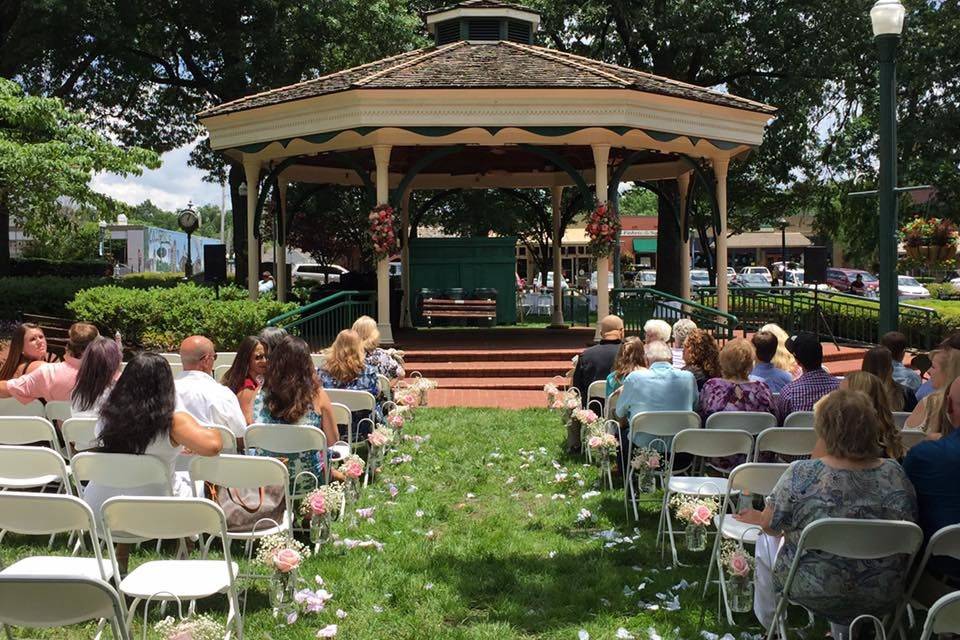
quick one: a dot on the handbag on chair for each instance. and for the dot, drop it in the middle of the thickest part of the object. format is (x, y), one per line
(244, 508)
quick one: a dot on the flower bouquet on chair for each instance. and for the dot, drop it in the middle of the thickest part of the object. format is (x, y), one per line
(320, 507)
(379, 440)
(352, 467)
(201, 627)
(282, 555)
(396, 418)
(604, 446)
(647, 463)
(421, 386)
(738, 564)
(697, 512)
(406, 398)
(552, 392)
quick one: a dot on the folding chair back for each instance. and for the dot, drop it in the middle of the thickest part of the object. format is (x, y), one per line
(79, 434)
(288, 438)
(163, 518)
(611, 404)
(354, 400)
(750, 421)
(58, 410)
(663, 424)
(944, 616)
(383, 385)
(900, 419)
(912, 437)
(341, 414)
(13, 407)
(597, 395)
(176, 368)
(861, 539)
(172, 358)
(713, 443)
(801, 419)
(54, 601)
(318, 359)
(37, 514)
(31, 467)
(28, 429)
(227, 438)
(239, 472)
(219, 371)
(120, 470)
(792, 441)
(756, 478)
(224, 359)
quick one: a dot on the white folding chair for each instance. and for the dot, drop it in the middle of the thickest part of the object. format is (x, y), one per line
(220, 371)
(597, 396)
(849, 538)
(172, 358)
(224, 359)
(383, 385)
(792, 441)
(944, 616)
(176, 368)
(27, 430)
(354, 401)
(799, 419)
(32, 467)
(912, 437)
(703, 443)
(544, 305)
(746, 479)
(662, 426)
(58, 410)
(247, 472)
(79, 434)
(227, 438)
(750, 421)
(13, 407)
(289, 438)
(56, 601)
(34, 514)
(175, 518)
(925, 589)
(318, 359)
(900, 419)
(611, 404)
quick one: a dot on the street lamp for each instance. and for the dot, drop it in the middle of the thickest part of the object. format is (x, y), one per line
(189, 221)
(887, 18)
(102, 236)
(783, 251)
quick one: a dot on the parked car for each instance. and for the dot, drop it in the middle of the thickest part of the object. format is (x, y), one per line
(699, 278)
(909, 289)
(762, 271)
(563, 281)
(752, 281)
(324, 273)
(731, 275)
(646, 278)
(593, 281)
(841, 279)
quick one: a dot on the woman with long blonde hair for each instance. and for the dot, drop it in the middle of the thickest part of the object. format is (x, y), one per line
(380, 359)
(889, 436)
(783, 359)
(346, 368)
(930, 413)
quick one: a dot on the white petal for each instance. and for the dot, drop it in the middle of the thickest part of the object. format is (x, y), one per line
(653, 634)
(706, 635)
(328, 631)
(623, 634)
(583, 635)
(341, 614)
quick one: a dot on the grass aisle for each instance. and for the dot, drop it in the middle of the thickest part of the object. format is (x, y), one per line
(483, 542)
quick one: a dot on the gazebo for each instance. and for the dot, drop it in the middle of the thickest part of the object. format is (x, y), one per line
(482, 108)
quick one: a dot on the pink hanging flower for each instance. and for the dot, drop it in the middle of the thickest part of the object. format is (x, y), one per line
(701, 515)
(739, 565)
(317, 504)
(286, 560)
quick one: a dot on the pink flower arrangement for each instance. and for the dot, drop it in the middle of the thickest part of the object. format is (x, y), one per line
(380, 437)
(603, 227)
(701, 515)
(407, 399)
(395, 420)
(318, 504)
(585, 416)
(695, 510)
(353, 466)
(736, 559)
(286, 560)
(382, 233)
(646, 460)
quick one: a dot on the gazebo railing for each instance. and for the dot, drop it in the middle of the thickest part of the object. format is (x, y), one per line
(319, 322)
(636, 306)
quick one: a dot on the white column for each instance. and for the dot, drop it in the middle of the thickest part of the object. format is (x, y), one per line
(381, 154)
(720, 166)
(601, 158)
(281, 266)
(406, 320)
(251, 168)
(683, 183)
(556, 319)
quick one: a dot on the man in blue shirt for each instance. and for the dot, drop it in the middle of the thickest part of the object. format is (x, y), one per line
(933, 467)
(897, 343)
(765, 344)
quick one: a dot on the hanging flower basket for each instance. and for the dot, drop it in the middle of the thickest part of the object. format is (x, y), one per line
(382, 233)
(603, 228)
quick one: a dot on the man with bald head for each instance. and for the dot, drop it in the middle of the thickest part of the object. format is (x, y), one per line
(595, 363)
(200, 394)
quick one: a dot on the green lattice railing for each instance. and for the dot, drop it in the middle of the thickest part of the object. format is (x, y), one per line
(319, 322)
(636, 306)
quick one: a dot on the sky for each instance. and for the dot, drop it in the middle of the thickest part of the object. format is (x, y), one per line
(170, 187)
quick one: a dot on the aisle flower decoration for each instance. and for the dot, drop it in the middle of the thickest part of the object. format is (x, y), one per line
(320, 507)
(382, 233)
(738, 563)
(201, 627)
(420, 386)
(697, 512)
(604, 446)
(352, 467)
(379, 441)
(647, 463)
(551, 390)
(603, 227)
(395, 419)
(282, 554)
(566, 402)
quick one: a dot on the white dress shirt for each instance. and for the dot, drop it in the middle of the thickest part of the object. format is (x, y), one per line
(209, 402)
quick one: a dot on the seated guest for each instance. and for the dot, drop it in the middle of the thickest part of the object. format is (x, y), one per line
(734, 391)
(346, 368)
(681, 329)
(766, 344)
(897, 343)
(891, 444)
(658, 388)
(380, 359)
(930, 413)
(848, 481)
(25, 353)
(53, 381)
(656, 331)
(200, 395)
(783, 359)
(631, 357)
(596, 362)
(702, 355)
(271, 337)
(291, 394)
(879, 362)
(99, 369)
(933, 467)
(139, 417)
(813, 384)
(245, 375)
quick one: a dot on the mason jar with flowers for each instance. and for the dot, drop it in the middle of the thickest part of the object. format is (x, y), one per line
(603, 229)
(320, 507)
(647, 463)
(378, 440)
(352, 467)
(697, 512)
(604, 447)
(282, 555)
(738, 565)
(584, 418)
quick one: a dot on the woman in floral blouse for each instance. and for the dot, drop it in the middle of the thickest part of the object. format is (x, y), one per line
(380, 359)
(346, 368)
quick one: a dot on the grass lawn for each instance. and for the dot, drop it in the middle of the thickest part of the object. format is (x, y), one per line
(482, 542)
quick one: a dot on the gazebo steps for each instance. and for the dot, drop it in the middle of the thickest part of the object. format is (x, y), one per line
(490, 369)
(514, 384)
(489, 355)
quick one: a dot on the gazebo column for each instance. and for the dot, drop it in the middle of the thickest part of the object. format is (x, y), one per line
(556, 197)
(683, 183)
(381, 153)
(406, 321)
(601, 158)
(281, 241)
(720, 166)
(251, 168)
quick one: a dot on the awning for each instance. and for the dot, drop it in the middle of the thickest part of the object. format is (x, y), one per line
(644, 245)
(767, 240)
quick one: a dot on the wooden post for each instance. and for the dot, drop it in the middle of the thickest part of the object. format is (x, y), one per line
(381, 154)
(683, 183)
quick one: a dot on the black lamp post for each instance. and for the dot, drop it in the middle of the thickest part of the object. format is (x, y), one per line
(189, 221)
(783, 251)
(887, 19)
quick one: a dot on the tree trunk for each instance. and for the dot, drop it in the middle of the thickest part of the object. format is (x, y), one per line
(239, 217)
(5, 237)
(669, 277)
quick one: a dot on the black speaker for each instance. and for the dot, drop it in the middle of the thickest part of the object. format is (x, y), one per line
(215, 263)
(815, 265)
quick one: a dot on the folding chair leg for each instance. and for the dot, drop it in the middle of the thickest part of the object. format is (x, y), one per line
(101, 624)
(777, 623)
(132, 613)
(117, 629)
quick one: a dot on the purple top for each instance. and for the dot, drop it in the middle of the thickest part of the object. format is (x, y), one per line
(723, 395)
(803, 393)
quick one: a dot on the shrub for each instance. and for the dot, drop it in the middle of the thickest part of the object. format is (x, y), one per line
(149, 279)
(944, 291)
(159, 318)
(46, 295)
(61, 268)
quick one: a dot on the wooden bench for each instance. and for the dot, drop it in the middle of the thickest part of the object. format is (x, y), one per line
(434, 308)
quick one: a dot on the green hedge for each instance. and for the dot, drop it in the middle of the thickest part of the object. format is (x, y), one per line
(46, 295)
(159, 318)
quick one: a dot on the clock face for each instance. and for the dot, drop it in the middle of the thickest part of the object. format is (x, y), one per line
(188, 220)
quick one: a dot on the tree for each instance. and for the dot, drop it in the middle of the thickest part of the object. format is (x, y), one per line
(638, 201)
(47, 154)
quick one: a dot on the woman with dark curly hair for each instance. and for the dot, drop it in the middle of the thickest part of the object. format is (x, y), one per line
(702, 355)
(245, 375)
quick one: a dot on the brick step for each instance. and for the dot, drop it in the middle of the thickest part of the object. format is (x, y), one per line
(441, 370)
(515, 383)
(489, 355)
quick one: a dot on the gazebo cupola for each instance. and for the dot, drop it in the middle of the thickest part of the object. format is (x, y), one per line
(479, 20)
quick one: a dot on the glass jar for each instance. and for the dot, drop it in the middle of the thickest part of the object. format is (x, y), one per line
(319, 528)
(740, 594)
(696, 536)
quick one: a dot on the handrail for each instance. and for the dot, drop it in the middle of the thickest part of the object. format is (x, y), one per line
(310, 307)
(636, 306)
(319, 322)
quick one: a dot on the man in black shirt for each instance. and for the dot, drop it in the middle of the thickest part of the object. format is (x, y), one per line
(595, 363)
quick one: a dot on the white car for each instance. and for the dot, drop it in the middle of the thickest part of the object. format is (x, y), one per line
(593, 281)
(324, 273)
(731, 274)
(909, 289)
(795, 279)
(763, 271)
(563, 281)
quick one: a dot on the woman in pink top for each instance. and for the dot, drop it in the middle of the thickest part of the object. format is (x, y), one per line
(53, 381)
(26, 352)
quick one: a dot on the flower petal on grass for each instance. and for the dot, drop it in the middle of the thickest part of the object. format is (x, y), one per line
(328, 631)
(623, 634)
(341, 614)
(583, 635)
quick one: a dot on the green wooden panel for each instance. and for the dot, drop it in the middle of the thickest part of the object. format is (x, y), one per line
(467, 263)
